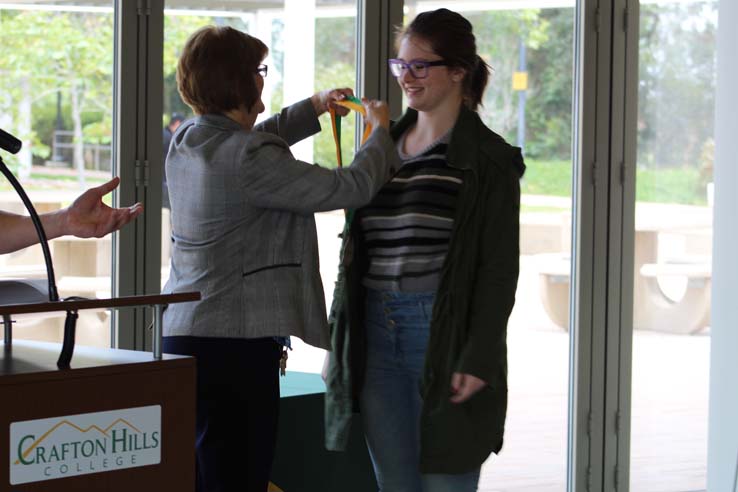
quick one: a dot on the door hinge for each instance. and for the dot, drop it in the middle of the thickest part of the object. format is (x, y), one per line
(597, 20)
(589, 478)
(146, 173)
(594, 181)
(142, 173)
(617, 421)
(143, 7)
(616, 478)
(625, 19)
(138, 174)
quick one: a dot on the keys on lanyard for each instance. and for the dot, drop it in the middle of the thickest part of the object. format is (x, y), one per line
(283, 362)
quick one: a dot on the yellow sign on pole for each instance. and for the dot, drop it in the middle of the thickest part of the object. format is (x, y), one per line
(520, 81)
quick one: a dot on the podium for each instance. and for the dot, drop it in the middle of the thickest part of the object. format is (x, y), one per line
(113, 420)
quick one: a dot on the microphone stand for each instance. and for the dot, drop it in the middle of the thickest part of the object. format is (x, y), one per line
(70, 323)
(53, 294)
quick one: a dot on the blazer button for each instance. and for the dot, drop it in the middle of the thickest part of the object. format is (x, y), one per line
(391, 323)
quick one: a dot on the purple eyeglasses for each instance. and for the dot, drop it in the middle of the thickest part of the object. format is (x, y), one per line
(418, 68)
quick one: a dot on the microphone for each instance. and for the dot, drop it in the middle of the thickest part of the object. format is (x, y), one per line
(9, 143)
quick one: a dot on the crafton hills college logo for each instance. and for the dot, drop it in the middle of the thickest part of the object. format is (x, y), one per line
(86, 443)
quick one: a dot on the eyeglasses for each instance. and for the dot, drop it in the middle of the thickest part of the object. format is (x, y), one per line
(262, 70)
(418, 68)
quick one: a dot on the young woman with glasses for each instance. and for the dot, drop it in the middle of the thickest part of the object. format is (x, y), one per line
(428, 278)
(244, 236)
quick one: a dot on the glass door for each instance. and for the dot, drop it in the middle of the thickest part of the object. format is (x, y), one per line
(529, 102)
(673, 245)
(56, 95)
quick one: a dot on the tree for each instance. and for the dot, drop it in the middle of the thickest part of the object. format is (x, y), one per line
(677, 72)
(498, 35)
(551, 68)
(58, 51)
(177, 28)
(335, 66)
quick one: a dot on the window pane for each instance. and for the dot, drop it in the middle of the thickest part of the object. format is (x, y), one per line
(304, 57)
(56, 95)
(673, 244)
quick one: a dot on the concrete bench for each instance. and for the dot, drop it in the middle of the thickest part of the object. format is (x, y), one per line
(690, 313)
(553, 284)
(653, 309)
(92, 325)
(92, 287)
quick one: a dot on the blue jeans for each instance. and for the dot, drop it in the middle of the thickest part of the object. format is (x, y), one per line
(397, 325)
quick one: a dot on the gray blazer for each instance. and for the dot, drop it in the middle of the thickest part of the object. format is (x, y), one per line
(243, 230)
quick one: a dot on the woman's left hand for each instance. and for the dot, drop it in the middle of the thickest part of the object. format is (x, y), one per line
(464, 386)
(323, 100)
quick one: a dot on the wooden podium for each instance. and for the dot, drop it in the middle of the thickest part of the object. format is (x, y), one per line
(114, 420)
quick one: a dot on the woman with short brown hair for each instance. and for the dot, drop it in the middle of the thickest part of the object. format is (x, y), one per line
(244, 236)
(215, 72)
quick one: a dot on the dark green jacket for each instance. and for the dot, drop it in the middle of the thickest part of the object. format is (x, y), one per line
(468, 328)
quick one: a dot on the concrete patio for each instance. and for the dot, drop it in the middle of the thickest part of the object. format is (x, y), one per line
(670, 403)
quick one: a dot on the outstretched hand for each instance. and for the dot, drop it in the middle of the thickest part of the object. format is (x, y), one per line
(464, 386)
(88, 216)
(323, 100)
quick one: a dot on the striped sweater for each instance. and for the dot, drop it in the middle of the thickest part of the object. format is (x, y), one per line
(408, 225)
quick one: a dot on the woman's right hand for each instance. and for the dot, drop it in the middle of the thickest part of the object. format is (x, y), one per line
(377, 113)
(326, 365)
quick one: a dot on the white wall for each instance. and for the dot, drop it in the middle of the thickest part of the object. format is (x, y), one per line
(722, 457)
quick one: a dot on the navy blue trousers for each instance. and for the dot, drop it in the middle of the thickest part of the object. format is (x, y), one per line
(237, 410)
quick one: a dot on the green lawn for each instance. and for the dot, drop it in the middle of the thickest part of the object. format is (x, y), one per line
(553, 178)
(680, 185)
(547, 178)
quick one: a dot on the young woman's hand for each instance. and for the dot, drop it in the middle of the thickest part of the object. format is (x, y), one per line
(377, 113)
(464, 386)
(326, 365)
(323, 100)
